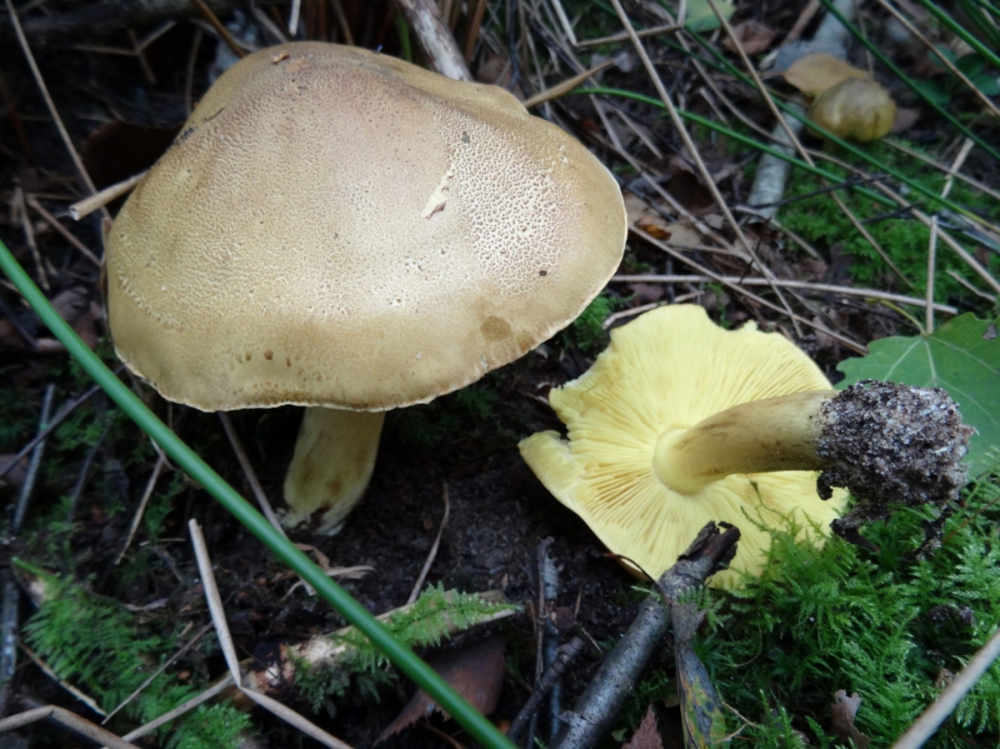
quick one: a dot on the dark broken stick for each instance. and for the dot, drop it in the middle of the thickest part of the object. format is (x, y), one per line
(590, 720)
(566, 654)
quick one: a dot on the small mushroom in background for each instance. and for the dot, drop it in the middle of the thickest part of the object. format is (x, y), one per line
(845, 100)
(339, 229)
(680, 422)
(858, 109)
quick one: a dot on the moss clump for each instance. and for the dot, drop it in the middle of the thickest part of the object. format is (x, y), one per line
(97, 645)
(431, 618)
(904, 239)
(889, 626)
(586, 333)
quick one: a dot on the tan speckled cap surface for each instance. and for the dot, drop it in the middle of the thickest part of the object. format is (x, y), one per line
(336, 227)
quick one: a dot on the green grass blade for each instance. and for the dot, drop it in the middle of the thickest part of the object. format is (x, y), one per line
(979, 18)
(962, 32)
(404, 658)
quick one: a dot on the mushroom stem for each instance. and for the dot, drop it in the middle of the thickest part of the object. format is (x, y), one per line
(886, 443)
(775, 434)
(332, 465)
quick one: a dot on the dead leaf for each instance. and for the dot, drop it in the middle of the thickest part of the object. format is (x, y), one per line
(647, 735)
(476, 672)
(117, 150)
(814, 74)
(645, 293)
(495, 71)
(642, 215)
(842, 713)
(906, 117)
(753, 37)
(687, 189)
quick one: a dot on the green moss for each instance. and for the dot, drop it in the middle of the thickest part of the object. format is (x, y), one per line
(95, 644)
(904, 239)
(426, 623)
(886, 626)
(586, 333)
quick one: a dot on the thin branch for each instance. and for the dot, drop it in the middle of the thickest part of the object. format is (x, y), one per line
(70, 720)
(229, 650)
(931, 257)
(963, 154)
(808, 286)
(28, 486)
(948, 700)
(623, 36)
(40, 82)
(435, 38)
(55, 224)
(161, 463)
(152, 677)
(434, 548)
(251, 475)
(221, 30)
(200, 699)
(85, 207)
(567, 654)
(21, 211)
(77, 693)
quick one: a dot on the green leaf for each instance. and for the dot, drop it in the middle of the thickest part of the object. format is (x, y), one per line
(987, 84)
(701, 17)
(946, 52)
(933, 91)
(962, 357)
(971, 64)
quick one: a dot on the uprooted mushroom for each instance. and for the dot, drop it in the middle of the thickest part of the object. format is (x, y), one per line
(680, 422)
(342, 230)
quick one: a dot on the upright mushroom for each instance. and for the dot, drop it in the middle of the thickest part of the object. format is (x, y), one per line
(680, 422)
(339, 229)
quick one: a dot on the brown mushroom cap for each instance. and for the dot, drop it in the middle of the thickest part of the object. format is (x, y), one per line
(337, 227)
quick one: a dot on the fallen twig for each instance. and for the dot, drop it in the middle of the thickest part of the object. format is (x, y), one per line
(948, 700)
(71, 720)
(65, 410)
(435, 38)
(593, 714)
(52, 221)
(820, 288)
(229, 650)
(567, 653)
(247, 466)
(88, 205)
(10, 614)
(432, 555)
